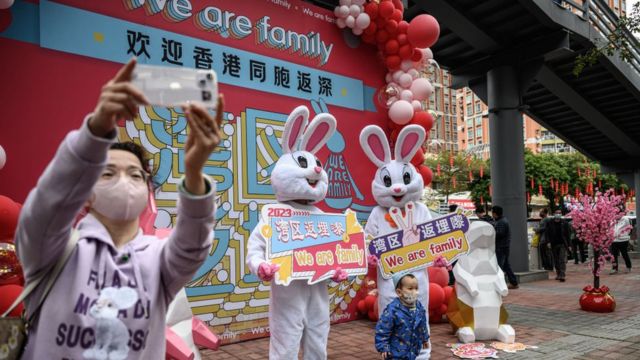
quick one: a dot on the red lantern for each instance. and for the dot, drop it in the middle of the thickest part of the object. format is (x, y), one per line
(451, 160)
(426, 173)
(454, 182)
(597, 300)
(490, 190)
(528, 197)
(600, 184)
(438, 169)
(532, 184)
(481, 172)
(579, 173)
(470, 176)
(540, 189)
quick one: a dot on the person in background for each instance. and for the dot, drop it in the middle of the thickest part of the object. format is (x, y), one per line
(503, 243)
(557, 233)
(482, 215)
(620, 244)
(544, 246)
(402, 331)
(578, 248)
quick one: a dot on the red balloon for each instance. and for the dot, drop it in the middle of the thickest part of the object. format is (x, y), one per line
(426, 173)
(438, 275)
(423, 31)
(397, 15)
(424, 119)
(372, 10)
(369, 301)
(371, 29)
(393, 62)
(9, 294)
(402, 39)
(372, 316)
(403, 26)
(418, 158)
(391, 26)
(9, 212)
(375, 310)
(394, 134)
(391, 47)
(443, 308)
(436, 296)
(448, 292)
(385, 9)
(416, 56)
(398, 4)
(405, 51)
(382, 36)
(362, 307)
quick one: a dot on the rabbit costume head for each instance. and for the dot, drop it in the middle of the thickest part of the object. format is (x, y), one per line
(397, 181)
(298, 174)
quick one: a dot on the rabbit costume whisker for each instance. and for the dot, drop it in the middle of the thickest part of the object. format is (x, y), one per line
(299, 312)
(397, 184)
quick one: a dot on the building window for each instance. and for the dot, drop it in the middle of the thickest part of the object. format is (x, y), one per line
(469, 110)
(478, 107)
(470, 122)
(469, 98)
(479, 132)
(470, 134)
(478, 120)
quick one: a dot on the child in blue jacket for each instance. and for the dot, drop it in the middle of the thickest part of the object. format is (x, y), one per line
(402, 330)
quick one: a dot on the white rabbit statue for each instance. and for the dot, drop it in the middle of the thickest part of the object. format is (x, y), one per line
(480, 286)
(299, 312)
(397, 188)
(112, 336)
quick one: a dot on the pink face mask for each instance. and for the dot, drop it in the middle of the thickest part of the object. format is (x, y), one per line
(122, 199)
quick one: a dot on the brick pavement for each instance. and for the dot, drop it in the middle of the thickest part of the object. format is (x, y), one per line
(543, 313)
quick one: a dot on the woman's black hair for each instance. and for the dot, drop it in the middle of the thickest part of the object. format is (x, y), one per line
(140, 153)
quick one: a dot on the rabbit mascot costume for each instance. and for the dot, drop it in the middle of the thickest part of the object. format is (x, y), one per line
(299, 312)
(397, 184)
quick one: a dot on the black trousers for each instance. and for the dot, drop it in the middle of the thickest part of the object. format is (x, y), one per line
(560, 259)
(617, 248)
(578, 249)
(502, 253)
(545, 256)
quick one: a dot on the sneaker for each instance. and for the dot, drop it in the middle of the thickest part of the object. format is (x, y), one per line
(613, 272)
(562, 280)
(513, 287)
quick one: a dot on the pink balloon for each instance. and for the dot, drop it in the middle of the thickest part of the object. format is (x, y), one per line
(358, 2)
(341, 23)
(423, 31)
(421, 89)
(354, 10)
(362, 21)
(427, 54)
(388, 77)
(357, 31)
(350, 21)
(3, 157)
(397, 74)
(401, 112)
(405, 80)
(417, 106)
(406, 65)
(5, 4)
(345, 2)
(406, 95)
(341, 11)
(414, 73)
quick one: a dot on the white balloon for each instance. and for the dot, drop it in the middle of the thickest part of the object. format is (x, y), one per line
(406, 95)
(358, 2)
(357, 31)
(421, 89)
(397, 74)
(401, 112)
(427, 54)
(341, 23)
(345, 2)
(406, 65)
(350, 21)
(363, 20)
(414, 73)
(405, 80)
(3, 157)
(354, 10)
(342, 11)
(417, 105)
(5, 4)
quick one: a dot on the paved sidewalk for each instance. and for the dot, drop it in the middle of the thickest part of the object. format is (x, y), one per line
(543, 313)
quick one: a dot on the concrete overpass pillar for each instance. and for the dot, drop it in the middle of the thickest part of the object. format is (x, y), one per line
(507, 158)
(636, 185)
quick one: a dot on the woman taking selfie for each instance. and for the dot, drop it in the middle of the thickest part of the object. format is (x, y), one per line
(111, 297)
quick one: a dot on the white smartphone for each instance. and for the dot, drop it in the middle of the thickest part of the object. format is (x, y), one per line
(174, 86)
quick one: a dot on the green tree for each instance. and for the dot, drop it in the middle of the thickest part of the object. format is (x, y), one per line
(619, 41)
(444, 183)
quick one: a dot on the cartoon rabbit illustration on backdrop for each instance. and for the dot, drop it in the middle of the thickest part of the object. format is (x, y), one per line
(397, 188)
(112, 336)
(299, 312)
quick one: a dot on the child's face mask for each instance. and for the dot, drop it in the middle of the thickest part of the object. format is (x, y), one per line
(409, 296)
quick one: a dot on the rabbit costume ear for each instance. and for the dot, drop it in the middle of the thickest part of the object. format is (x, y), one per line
(410, 139)
(375, 144)
(293, 128)
(318, 133)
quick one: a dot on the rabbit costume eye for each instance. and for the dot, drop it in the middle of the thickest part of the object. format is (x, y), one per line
(396, 182)
(298, 174)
